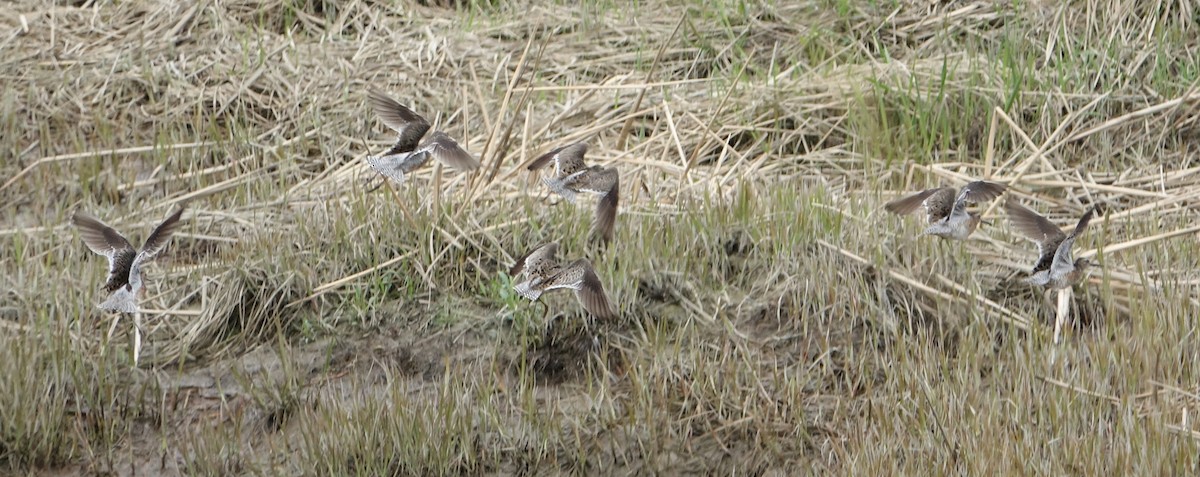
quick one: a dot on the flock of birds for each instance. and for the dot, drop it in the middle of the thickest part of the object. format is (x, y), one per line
(540, 270)
(948, 217)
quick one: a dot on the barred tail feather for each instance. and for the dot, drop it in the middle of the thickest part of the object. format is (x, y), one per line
(938, 229)
(389, 166)
(559, 186)
(526, 290)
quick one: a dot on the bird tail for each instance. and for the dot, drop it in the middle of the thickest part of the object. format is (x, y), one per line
(123, 300)
(389, 166)
(526, 289)
(1038, 279)
(939, 228)
(559, 186)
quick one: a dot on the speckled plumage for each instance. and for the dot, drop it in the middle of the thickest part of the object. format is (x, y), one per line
(572, 176)
(410, 152)
(540, 272)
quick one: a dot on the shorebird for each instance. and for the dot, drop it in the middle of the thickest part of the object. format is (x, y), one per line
(410, 152)
(541, 273)
(124, 263)
(1055, 268)
(572, 176)
(945, 210)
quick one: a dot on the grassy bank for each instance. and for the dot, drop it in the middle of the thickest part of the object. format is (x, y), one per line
(774, 319)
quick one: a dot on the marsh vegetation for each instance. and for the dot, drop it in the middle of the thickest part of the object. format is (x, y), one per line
(773, 318)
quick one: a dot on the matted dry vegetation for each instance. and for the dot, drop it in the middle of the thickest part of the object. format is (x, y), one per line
(774, 318)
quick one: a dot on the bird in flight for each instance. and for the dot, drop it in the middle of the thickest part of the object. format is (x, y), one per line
(124, 262)
(946, 208)
(1056, 268)
(410, 152)
(572, 176)
(541, 272)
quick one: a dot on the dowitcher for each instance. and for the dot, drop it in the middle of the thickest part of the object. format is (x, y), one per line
(1055, 268)
(410, 152)
(124, 262)
(572, 176)
(946, 209)
(541, 273)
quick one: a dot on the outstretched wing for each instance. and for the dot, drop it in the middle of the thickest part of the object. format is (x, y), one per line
(409, 125)
(1039, 229)
(909, 204)
(567, 159)
(1031, 224)
(977, 191)
(106, 241)
(447, 151)
(159, 238)
(98, 236)
(580, 277)
(606, 207)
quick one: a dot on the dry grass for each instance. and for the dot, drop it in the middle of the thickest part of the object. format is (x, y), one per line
(774, 319)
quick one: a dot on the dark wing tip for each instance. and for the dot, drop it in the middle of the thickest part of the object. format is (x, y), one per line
(544, 159)
(80, 218)
(606, 212)
(379, 100)
(591, 293)
(162, 234)
(979, 191)
(519, 265)
(991, 188)
(1083, 222)
(1014, 207)
(395, 115)
(576, 149)
(906, 205)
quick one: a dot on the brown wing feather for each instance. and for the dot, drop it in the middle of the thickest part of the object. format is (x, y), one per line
(98, 236)
(906, 205)
(591, 295)
(106, 241)
(546, 158)
(409, 125)
(606, 210)
(1039, 229)
(447, 151)
(160, 236)
(581, 277)
(979, 191)
(1084, 221)
(940, 204)
(1031, 224)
